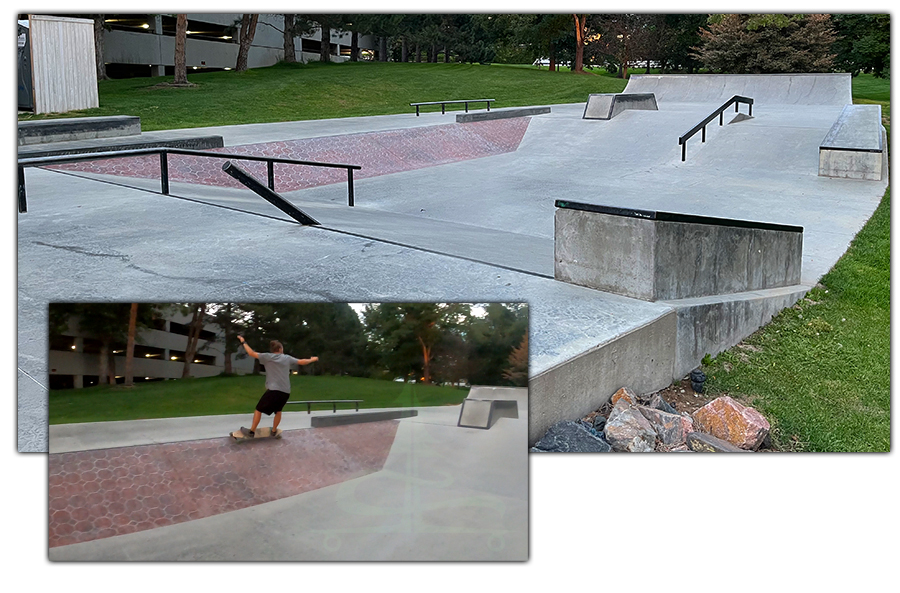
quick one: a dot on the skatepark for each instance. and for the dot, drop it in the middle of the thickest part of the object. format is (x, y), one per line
(418, 488)
(453, 214)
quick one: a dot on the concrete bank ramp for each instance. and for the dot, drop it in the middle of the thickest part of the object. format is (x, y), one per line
(781, 89)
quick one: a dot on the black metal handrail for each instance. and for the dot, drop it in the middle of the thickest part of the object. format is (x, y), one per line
(735, 100)
(164, 165)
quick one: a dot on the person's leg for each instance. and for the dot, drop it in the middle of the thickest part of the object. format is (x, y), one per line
(276, 421)
(256, 417)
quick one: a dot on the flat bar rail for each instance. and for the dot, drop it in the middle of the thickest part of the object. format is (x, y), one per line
(333, 402)
(164, 165)
(735, 100)
(443, 104)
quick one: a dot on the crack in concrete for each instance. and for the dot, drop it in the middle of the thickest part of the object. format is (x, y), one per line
(82, 250)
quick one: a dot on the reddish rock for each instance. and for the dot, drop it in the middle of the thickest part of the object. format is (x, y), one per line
(731, 421)
(626, 393)
(628, 430)
(672, 429)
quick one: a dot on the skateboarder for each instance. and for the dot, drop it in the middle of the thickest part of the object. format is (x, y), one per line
(278, 382)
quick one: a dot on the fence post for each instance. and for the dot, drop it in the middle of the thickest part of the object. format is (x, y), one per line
(270, 167)
(164, 171)
(350, 186)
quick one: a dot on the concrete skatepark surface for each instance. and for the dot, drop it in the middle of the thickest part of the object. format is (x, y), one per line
(423, 489)
(473, 230)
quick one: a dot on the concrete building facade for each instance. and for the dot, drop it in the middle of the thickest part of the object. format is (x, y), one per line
(144, 44)
(159, 351)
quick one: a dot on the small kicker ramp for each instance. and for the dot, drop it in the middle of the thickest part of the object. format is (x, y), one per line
(777, 89)
(609, 105)
(483, 413)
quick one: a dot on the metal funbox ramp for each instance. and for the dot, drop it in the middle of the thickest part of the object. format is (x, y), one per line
(483, 413)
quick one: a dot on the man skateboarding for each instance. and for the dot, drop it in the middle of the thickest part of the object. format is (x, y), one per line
(278, 383)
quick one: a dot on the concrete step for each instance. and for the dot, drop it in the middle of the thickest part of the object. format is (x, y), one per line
(120, 143)
(77, 128)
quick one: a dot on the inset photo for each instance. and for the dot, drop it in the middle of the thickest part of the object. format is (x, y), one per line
(288, 431)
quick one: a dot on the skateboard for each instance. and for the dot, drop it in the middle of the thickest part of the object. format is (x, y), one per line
(261, 433)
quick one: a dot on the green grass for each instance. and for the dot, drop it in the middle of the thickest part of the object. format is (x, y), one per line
(232, 395)
(821, 371)
(291, 92)
(869, 90)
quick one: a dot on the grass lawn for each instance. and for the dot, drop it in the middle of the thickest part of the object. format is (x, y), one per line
(291, 92)
(233, 395)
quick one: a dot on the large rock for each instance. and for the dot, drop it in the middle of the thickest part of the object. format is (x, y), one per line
(731, 421)
(628, 430)
(671, 429)
(707, 443)
(570, 437)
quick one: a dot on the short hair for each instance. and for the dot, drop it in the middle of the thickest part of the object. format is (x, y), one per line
(275, 346)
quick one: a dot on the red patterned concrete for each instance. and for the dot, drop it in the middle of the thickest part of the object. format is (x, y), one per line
(107, 492)
(379, 153)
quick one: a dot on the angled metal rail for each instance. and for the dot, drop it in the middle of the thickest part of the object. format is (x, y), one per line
(735, 100)
(164, 165)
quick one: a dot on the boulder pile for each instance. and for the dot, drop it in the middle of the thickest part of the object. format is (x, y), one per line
(635, 424)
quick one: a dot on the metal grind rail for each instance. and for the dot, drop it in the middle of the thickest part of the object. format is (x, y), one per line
(164, 165)
(735, 100)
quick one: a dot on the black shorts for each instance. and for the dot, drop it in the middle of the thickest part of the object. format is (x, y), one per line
(272, 401)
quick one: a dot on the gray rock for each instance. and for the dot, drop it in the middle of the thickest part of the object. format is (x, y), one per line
(671, 429)
(658, 403)
(571, 437)
(707, 443)
(628, 430)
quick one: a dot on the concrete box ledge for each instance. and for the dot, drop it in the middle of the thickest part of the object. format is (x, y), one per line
(78, 128)
(855, 145)
(116, 144)
(655, 256)
(609, 105)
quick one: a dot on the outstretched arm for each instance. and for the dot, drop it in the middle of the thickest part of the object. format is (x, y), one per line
(249, 350)
(306, 361)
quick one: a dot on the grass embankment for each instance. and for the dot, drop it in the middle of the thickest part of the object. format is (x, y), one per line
(233, 395)
(292, 92)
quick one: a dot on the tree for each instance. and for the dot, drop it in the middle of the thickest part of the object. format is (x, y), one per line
(129, 346)
(180, 51)
(492, 338)
(197, 312)
(767, 43)
(623, 37)
(864, 43)
(98, 46)
(517, 372)
(581, 30)
(245, 40)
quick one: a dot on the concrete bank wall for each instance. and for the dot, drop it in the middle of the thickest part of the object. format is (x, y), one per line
(642, 359)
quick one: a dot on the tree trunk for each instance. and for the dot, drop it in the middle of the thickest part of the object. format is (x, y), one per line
(180, 51)
(404, 49)
(382, 49)
(433, 57)
(648, 66)
(426, 362)
(111, 365)
(579, 43)
(245, 39)
(129, 347)
(98, 47)
(289, 48)
(552, 57)
(103, 370)
(325, 51)
(446, 55)
(193, 338)
(418, 53)
(354, 46)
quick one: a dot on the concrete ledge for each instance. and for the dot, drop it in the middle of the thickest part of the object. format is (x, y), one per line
(854, 146)
(662, 256)
(712, 325)
(464, 118)
(609, 105)
(483, 413)
(113, 144)
(642, 359)
(78, 128)
(358, 417)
